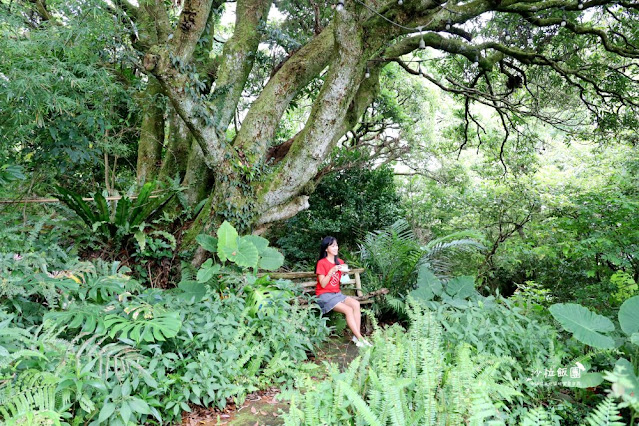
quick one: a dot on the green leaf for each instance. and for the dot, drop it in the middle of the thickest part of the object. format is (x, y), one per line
(194, 291)
(207, 271)
(270, 259)
(122, 212)
(226, 240)
(143, 196)
(140, 237)
(125, 413)
(629, 315)
(585, 380)
(428, 285)
(461, 287)
(245, 254)
(139, 406)
(635, 338)
(259, 242)
(103, 207)
(585, 325)
(625, 384)
(106, 412)
(207, 242)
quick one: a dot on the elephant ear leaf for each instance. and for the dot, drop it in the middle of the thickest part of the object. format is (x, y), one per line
(245, 255)
(193, 291)
(629, 316)
(461, 287)
(260, 242)
(428, 285)
(585, 325)
(270, 259)
(226, 241)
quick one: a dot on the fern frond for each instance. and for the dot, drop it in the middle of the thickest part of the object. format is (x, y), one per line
(361, 406)
(396, 304)
(311, 415)
(605, 414)
(35, 231)
(30, 391)
(536, 417)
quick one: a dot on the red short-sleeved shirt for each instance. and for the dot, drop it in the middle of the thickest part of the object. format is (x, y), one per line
(322, 268)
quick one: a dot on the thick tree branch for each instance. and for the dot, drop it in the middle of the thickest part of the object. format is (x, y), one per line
(285, 211)
(158, 26)
(258, 128)
(192, 23)
(324, 127)
(237, 60)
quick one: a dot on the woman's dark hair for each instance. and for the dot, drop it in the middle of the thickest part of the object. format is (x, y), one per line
(326, 241)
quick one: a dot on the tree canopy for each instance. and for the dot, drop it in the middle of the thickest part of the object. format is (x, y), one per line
(224, 131)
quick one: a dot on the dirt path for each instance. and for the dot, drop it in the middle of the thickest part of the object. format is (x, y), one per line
(262, 408)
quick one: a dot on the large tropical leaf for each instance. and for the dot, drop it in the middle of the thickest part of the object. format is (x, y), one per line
(207, 271)
(585, 380)
(245, 255)
(586, 326)
(259, 242)
(461, 287)
(428, 285)
(193, 291)
(629, 316)
(270, 259)
(226, 240)
(261, 298)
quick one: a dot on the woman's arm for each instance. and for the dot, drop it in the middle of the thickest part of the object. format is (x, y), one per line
(325, 279)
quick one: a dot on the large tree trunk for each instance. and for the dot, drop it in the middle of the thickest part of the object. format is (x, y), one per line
(151, 133)
(178, 147)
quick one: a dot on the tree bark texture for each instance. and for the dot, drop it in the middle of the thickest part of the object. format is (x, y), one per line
(151, 134)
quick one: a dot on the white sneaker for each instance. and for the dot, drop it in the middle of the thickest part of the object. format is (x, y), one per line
(354, 340)
(363, 343)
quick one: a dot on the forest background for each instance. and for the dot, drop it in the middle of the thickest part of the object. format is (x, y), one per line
(479, 159)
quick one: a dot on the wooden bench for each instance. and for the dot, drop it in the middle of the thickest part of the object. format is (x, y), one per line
(308, 281)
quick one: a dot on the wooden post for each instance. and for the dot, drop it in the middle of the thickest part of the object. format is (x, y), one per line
(358, 285)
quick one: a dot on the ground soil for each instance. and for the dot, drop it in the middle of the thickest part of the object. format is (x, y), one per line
(263, 408)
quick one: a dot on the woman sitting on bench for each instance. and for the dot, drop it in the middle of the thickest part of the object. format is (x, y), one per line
(329, 297)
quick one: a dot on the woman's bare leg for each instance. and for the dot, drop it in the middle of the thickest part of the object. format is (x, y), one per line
(350, 318)
(354, 304)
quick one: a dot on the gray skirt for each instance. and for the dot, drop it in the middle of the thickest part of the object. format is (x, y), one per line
(327, 301)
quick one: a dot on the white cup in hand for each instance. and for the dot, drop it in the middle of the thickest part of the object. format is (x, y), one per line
(343, 267)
